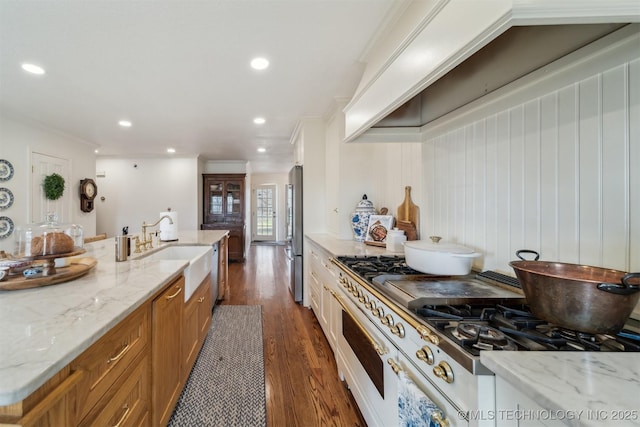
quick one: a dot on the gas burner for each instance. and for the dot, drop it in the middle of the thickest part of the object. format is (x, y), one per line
(482, 337)
(369, 267)
(454, 312)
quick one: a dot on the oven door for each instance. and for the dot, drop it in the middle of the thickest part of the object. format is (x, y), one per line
(422, 393)
(362, 354)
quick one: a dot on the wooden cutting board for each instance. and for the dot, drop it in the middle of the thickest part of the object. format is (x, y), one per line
(77, 268)
(408, 228)
(408, 212)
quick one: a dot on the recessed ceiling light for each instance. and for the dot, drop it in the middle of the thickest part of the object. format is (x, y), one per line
(171, 150)
(259, 120)
(259, 63)
(125, 123)
(262, 150)
(33, 69)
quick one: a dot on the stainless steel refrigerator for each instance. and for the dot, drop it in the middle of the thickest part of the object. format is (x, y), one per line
(294, 231)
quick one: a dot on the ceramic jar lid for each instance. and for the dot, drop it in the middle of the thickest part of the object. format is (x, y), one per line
(365, 205)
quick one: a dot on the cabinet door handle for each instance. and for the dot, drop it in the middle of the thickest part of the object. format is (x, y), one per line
(119, 355)
(170, 297)
(379, 348)
(201, 299)
(124, 415)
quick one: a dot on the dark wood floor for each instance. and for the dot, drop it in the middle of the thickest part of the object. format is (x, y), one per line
(302, 384)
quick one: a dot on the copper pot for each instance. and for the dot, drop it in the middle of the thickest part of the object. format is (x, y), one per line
(580, 297)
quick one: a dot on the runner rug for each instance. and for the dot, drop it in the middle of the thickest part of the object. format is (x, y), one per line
(226, 386)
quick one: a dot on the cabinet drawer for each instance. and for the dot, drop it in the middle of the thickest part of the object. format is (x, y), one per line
(129, 405)
(108, 358)
(314, 291)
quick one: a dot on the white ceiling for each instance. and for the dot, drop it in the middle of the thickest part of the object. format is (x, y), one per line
(179, 70)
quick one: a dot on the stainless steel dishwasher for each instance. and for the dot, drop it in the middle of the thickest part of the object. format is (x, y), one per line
(214, 273)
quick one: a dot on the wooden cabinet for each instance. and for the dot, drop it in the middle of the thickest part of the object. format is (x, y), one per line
(49, 406)
(224, 209)
(223, 267)
(106, 366)
(166, 351)
(129, 404)
(108, 384)
(197, 319)
(134, 374)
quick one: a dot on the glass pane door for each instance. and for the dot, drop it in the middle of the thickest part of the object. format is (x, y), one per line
(233, 198)
(215, 203)
(265, 212)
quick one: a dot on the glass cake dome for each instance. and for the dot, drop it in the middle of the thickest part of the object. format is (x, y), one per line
(47, 238)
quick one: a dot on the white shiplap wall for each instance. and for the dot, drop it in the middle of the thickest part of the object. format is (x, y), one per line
(550, 163)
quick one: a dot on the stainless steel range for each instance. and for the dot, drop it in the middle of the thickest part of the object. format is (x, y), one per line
(441, 323)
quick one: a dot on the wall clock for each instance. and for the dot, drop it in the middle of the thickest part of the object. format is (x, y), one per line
(88, 192)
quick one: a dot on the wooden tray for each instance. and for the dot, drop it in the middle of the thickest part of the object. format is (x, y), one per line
(77, 268)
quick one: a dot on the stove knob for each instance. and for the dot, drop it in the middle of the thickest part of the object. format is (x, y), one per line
(427, 335)
(443, 370)
(397, 329)
(439, 418)
(425, 354)
(394, 366)
(387, 320)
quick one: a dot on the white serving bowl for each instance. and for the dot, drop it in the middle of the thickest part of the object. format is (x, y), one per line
(446, 259)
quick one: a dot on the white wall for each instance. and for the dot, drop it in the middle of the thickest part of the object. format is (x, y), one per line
(280, 181)
(137, 190)
(550, 163)
(17, 140)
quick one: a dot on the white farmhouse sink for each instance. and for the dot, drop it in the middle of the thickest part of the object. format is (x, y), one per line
(200, 263)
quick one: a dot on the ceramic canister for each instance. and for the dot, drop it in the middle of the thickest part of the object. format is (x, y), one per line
(360, 218)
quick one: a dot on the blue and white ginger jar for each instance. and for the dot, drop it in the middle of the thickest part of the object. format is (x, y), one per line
(360, 218)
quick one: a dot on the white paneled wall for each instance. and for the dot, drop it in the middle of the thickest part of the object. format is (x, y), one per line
(549, 165)
(401, 167)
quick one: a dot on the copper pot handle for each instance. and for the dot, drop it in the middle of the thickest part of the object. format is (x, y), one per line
(527, 251)
(624, 288)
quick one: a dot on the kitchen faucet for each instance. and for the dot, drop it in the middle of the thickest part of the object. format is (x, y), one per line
(148, 241)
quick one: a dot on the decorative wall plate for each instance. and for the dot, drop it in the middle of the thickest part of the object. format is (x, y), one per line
(6, 227)
(6, 198)
(6, 170)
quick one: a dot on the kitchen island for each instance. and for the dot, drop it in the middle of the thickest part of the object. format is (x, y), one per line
(44, 329)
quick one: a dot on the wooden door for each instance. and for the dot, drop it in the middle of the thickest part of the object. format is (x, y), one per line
(167, 319)
(41, 166)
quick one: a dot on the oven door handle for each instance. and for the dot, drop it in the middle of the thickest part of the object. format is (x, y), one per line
(381, 350)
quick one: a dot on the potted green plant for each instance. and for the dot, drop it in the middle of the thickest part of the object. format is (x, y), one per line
(53, 186)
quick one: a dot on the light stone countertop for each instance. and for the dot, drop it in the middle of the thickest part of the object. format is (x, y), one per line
(44, 329)
(338, 247)
(590, 385)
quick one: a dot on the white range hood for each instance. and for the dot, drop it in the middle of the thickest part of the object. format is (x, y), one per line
(454, 31)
